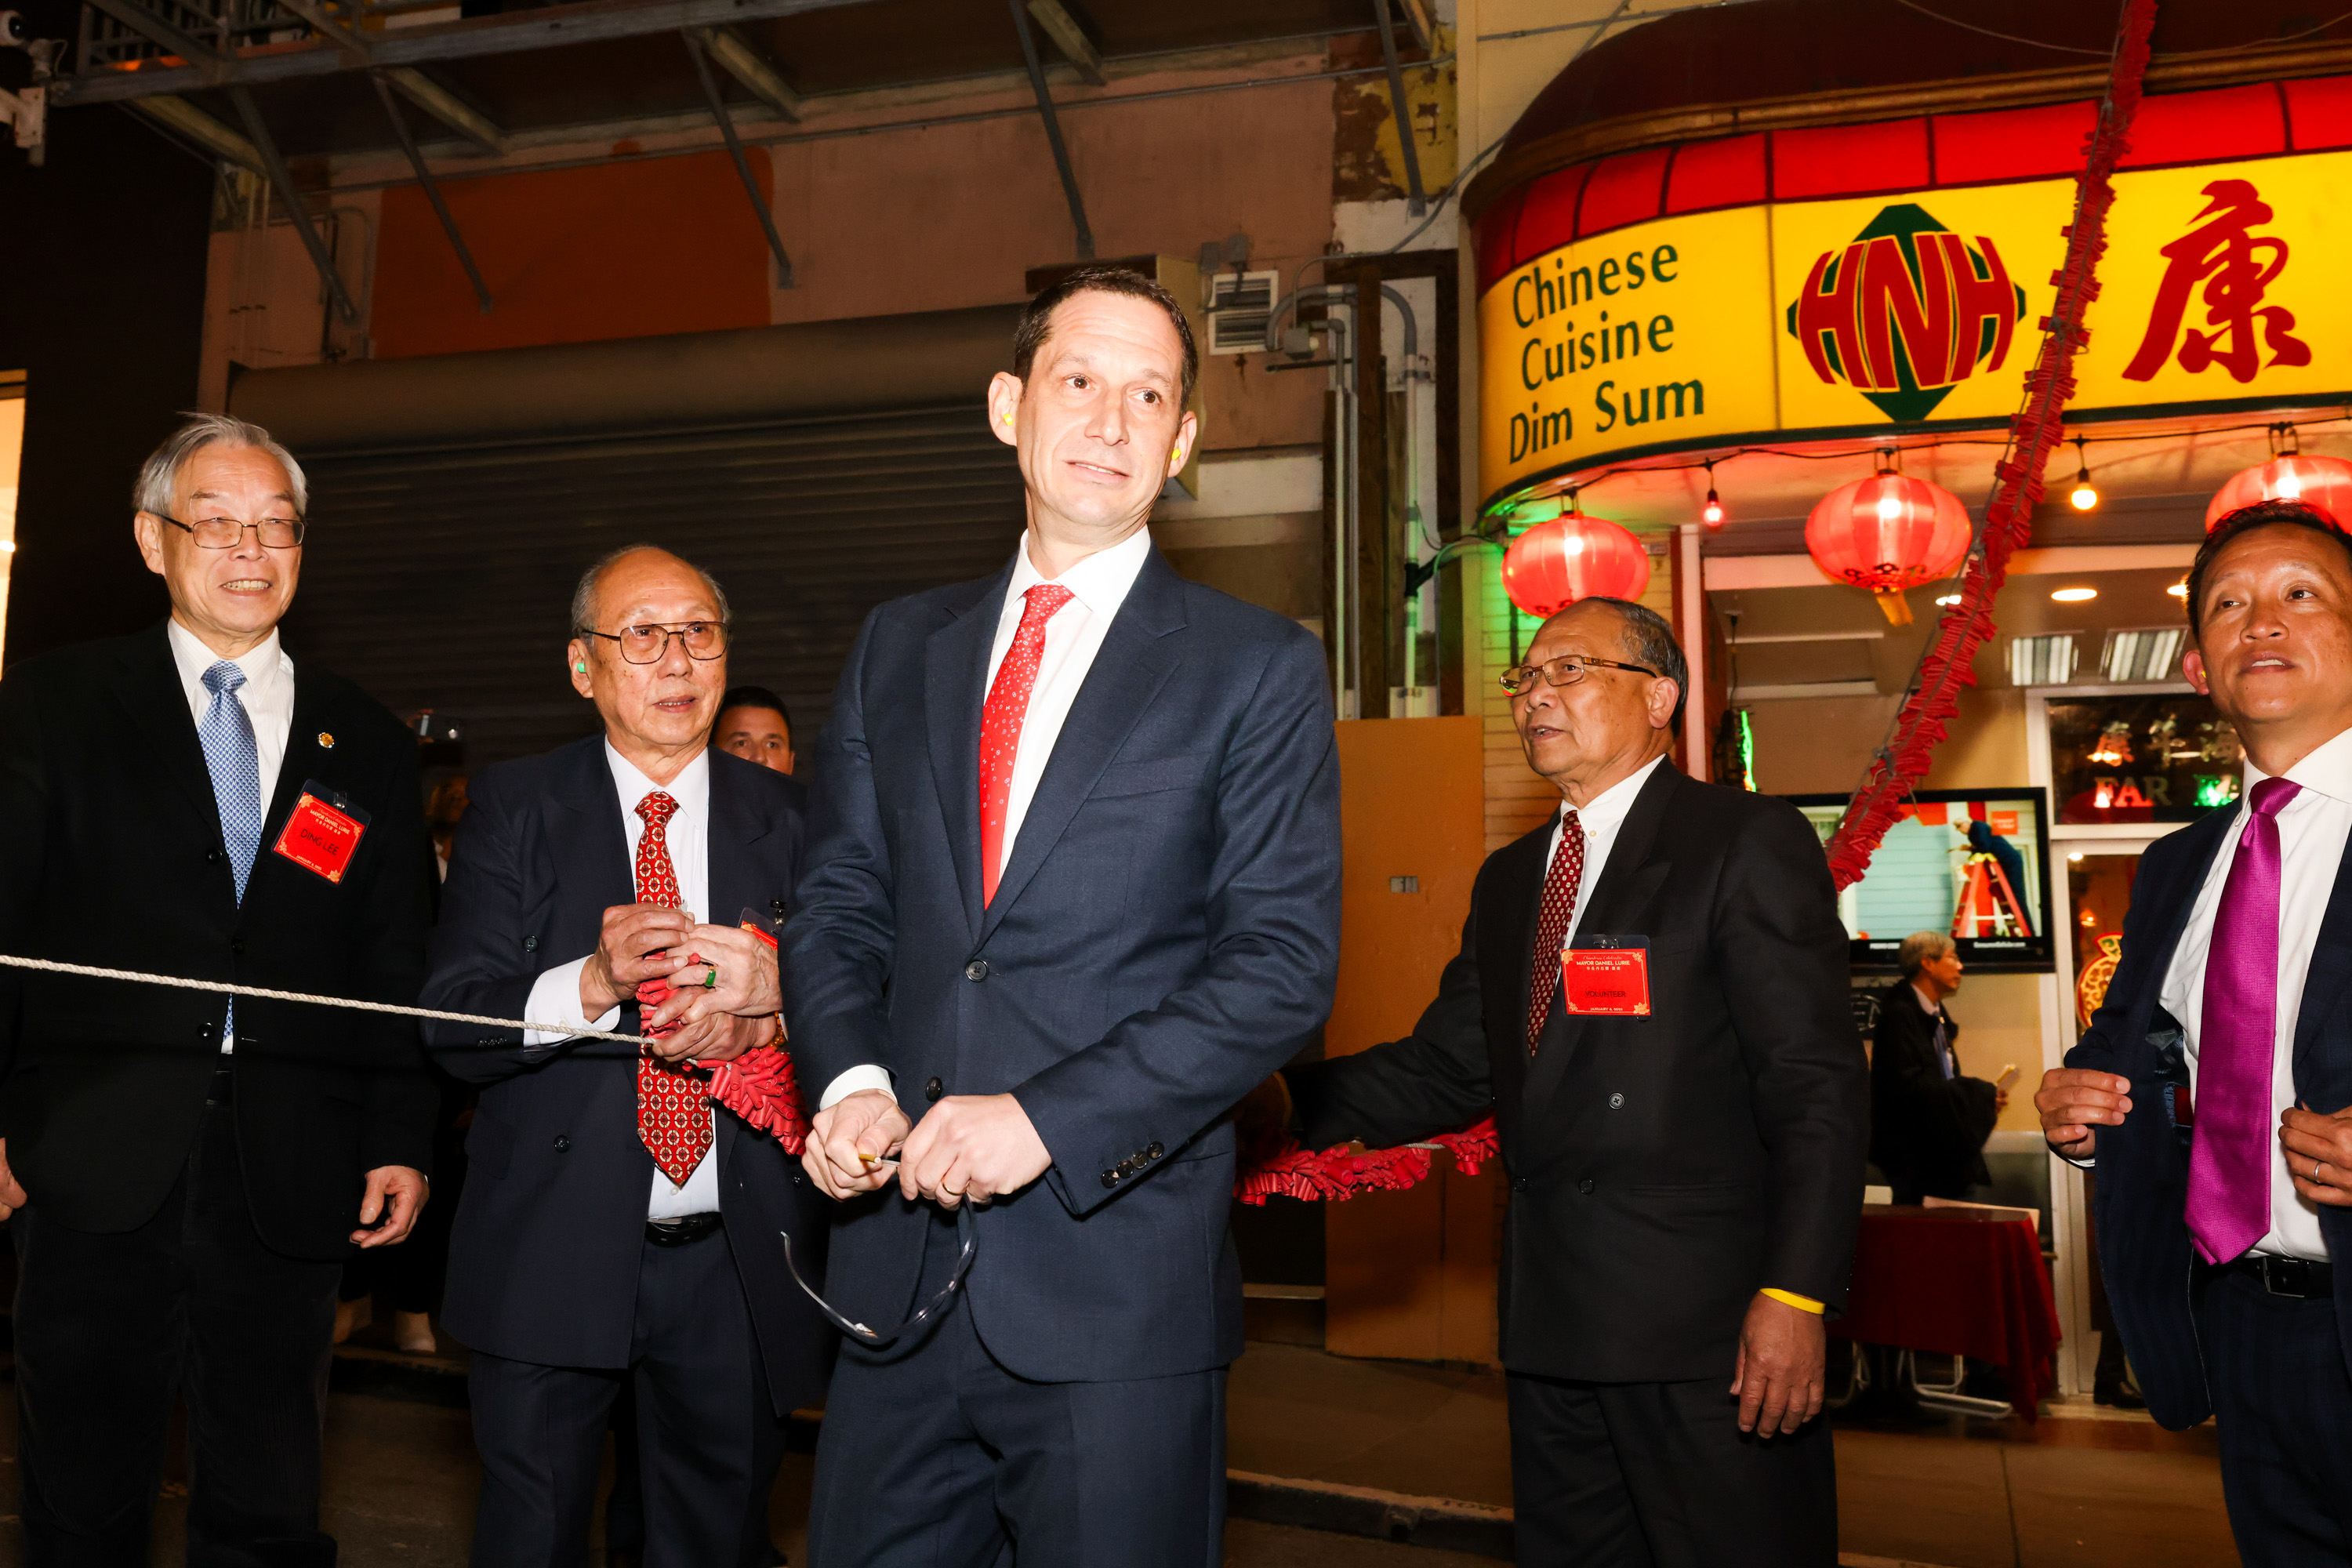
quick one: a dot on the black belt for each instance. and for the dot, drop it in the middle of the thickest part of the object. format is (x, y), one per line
(678, 1232)
(2297, 1277)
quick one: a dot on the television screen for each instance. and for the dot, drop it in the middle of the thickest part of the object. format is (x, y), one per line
(1974, 864)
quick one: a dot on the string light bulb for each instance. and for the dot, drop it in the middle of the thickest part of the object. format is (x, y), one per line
(2085, 494)
(1713, 514)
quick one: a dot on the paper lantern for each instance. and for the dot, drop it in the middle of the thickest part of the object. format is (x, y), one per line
(2323, 483)
(1887, 533)
(1572, 557)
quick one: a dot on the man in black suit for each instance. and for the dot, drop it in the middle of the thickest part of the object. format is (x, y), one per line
(1072, 891)
(2213, 1089)
(1928, 1120)
(187, 1172)
(1650, 999)
(615, 1226)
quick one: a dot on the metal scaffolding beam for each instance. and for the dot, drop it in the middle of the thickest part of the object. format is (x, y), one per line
(1069, 37)
(282, 179)
(432, 191)
(742, 62)
(1085, 236)
(204, 60)
(450, 109)
(743, 164)
(1418, 203)
(178, 114)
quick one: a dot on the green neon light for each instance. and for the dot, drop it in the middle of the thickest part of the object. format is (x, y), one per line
(2216, 789)
(1746, 753)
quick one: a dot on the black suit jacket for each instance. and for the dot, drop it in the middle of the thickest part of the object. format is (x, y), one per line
(1924, 1127)
(1165, 935)
(544, 1253)
(1663, 1169)
(113, 856)
(2146, 1256)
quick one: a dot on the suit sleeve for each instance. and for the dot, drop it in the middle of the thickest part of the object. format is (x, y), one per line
(1151, 1084)
(402, 1103)
(1781, 954)
(24, 801)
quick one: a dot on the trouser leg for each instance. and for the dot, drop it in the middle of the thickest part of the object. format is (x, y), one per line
(2283, 1407)
(1567, 1488)
(1707, 1494)
(539, 1431)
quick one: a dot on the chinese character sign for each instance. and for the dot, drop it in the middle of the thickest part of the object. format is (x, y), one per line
(2235, 265)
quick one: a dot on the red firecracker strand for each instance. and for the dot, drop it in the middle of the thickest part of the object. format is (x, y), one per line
(1334, 1175)
(1949, 663)
(760, 1086)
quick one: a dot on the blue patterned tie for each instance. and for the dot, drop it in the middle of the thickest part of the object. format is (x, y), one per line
(225, 733)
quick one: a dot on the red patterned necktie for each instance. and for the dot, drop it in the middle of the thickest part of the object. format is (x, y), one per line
(673, 1106)
(1551, 926)
(1000, 725)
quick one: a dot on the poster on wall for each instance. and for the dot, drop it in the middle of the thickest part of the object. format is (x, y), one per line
(1973, 864)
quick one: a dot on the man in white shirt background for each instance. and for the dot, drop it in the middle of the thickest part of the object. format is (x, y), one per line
(2213, 1089)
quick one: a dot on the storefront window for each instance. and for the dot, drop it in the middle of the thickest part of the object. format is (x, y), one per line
(2099, 892)
(2163, 757)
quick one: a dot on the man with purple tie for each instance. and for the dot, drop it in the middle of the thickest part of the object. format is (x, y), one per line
(2213, 1089)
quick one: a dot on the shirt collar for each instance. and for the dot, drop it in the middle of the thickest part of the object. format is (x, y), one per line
(1100, 581)
(1933, 1009)
(691, 789)
(1607, 809)
(262, 663)
(2327, 770)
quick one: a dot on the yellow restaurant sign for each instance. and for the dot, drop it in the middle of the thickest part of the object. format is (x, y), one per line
(1812, 319)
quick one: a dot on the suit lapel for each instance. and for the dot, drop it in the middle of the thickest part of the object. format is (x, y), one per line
(2331, 965)
(586, 836)
(734, 828)
(955, 678)
(302, 757)
(1515, 896)
(148, 685)
(1135, 659)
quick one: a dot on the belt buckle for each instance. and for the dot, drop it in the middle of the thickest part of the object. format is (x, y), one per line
(2287, 1277)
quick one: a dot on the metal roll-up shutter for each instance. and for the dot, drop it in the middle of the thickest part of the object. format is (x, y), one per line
(441, 578)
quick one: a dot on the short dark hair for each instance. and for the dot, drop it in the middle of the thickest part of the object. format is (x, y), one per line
(1646, 637)
(2235, 526)
(756, 697)
(1038, 319)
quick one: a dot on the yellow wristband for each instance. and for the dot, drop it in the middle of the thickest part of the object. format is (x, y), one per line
(1802, 1303)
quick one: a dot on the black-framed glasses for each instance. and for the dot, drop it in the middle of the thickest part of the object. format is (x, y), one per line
(935, 1307)
(1565, 670)
(646, 644)
(226, 532)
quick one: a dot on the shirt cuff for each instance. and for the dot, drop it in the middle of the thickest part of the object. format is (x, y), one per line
(555, 999)
(856, 1080)
(1789, 1299)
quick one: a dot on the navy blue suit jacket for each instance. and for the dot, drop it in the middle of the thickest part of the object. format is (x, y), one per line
(2145, 1252)
(1165, 935)
(544, 1253)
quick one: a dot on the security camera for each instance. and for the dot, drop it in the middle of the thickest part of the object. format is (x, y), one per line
(15, 34)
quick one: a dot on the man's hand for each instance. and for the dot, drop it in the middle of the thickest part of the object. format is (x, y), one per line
(2319, 1154)
(2001, 1097)
(2076, 1103)
(975, 1146)
(398, 1189)
(868, 1123)
(12, 1196)
(1780, 1376)
(721, 1038)
(629, 951)
(746, 967)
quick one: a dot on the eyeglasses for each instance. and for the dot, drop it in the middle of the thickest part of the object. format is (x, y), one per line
(647, 644)
(225, 532)
(936, 1307)
(1565, 670)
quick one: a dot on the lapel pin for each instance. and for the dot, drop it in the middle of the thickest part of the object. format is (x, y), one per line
(326, 742)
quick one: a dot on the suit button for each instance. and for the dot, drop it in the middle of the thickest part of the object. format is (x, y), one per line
(976, 969)
(1520, 1185)
(1153, 1152)
(531, 945)
(563, 1142)
(1110, 1178)
(213, 856)
(1585, 1187)
(1616, 1102)
(933, 1089)
(203, 1031)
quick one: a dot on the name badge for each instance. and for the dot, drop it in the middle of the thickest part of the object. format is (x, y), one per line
(1607, 976)
(323, 832)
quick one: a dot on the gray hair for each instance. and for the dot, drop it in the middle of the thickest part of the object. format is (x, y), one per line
(1920, 949)
(583, 597)
(1651, 641)
(159, 476)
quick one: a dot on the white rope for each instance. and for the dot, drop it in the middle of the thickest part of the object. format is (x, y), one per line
(92, 972)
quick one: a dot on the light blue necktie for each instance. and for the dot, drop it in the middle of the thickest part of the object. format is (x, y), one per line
(225, 733)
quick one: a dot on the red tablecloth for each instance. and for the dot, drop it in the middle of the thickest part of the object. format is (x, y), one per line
(1958, 1282)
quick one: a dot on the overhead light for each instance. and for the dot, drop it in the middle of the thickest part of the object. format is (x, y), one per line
(1948, 599)
(2178, 590)
(2085, 495)
(2074, 855)
(1713, 514)
(2075, 595)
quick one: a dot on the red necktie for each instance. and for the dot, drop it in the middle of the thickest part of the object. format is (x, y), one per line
(673, 1106)
(1551, 926)
(1000, 725)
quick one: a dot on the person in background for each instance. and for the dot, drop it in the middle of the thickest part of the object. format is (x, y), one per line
(1929, 1122)
(753, 724)
(443, 812)
(190, 1173)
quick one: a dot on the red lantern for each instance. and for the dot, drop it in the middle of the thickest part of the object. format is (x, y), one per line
(1887, 534)
(2323, 483)
(1572, 557)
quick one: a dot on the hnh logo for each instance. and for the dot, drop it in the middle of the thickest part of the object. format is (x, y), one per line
(1907, 311)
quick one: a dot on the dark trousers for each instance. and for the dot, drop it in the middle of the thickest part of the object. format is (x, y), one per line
(2282, 1406)
(710, 1440)
(932, 1456)
(110, 1328)
(1658, 1475)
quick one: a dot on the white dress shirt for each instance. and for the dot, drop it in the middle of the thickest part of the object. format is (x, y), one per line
(2312, 829)
(1099, 587)
(268, 697)
(555, 994)
(1600, 820)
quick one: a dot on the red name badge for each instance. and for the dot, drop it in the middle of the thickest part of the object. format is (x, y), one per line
(1607, 976)
(321, 837)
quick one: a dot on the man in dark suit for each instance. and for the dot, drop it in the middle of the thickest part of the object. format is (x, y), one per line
(614, 1226)
(188, 1170)
(1928, 1120)
(2213, 1089)
(1650, 999)
(1072, 891)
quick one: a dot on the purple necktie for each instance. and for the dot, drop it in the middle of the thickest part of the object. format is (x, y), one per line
(2230, 1162)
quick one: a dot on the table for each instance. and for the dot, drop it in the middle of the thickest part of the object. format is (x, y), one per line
(1955, 1281)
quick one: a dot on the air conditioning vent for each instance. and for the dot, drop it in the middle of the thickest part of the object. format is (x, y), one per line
(2042, 661)
(2147, 653)
(1239, 303)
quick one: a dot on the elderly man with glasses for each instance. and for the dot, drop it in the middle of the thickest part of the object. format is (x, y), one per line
(616, 1228)
(191, 1172)
(1651, 1001)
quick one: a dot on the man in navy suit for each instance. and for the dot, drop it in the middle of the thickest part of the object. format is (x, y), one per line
(1072, 893)
(2213, 1089)
(615, 1226)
